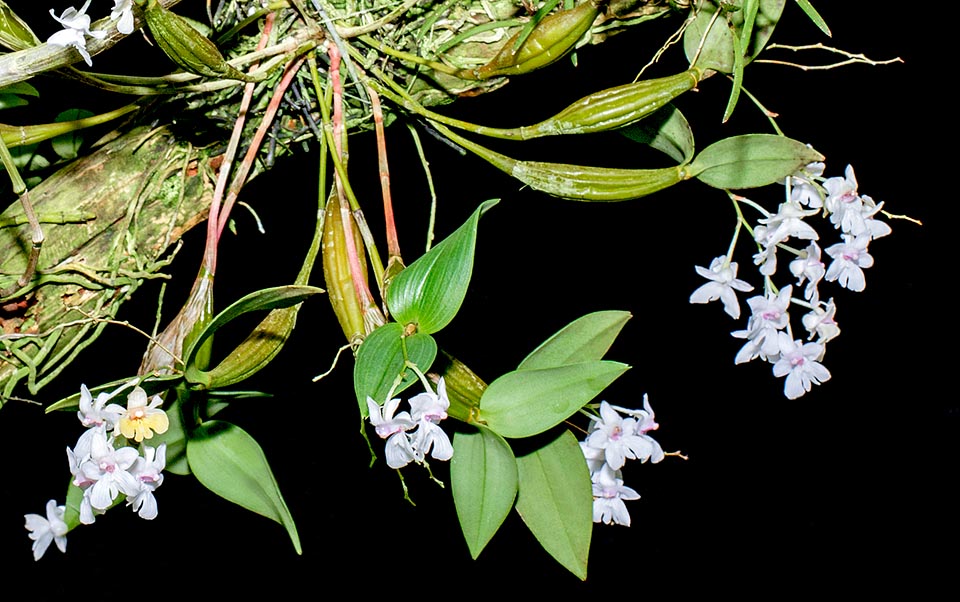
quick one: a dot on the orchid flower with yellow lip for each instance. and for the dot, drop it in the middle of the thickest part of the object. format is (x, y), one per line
(141, 420)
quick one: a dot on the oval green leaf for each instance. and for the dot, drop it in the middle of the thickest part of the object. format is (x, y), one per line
(380, 360)
(230, 463)
(555, 501)
(483, 480)
(526, 402)
(667, 131)
(430, 291)
(709, 42)
(751, 160)
(586, 338)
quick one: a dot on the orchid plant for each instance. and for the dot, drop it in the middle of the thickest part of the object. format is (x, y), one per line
(315, 72)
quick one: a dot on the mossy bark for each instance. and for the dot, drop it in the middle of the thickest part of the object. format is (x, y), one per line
(145, 188)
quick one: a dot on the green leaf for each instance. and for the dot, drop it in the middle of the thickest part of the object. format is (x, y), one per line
(253, 354)
(380, 361)
(709, 39)
(430, 291)
(230, 463)
(220, 400)
(180, 405)
(262, 300)
(666, 130)
(176, 434)
(483, 479)
(68, 145)
(19, 88)
(15, 34)
(751, 160)
(814, 16)
(526, 402)
(739, 48)
(153, 385)
(586, 338)
(8, 101)
(26, 159)
(555, 501)
(71, 508)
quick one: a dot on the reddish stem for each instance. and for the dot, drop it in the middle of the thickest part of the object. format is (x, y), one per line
(219, 214)
(243, 170)
(393, 242)
(364, 296)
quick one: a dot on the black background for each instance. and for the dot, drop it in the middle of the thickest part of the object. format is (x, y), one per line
(849, 485)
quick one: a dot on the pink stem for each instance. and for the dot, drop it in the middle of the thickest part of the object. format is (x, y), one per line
(393, 242)
(218, 213)
(364, 296)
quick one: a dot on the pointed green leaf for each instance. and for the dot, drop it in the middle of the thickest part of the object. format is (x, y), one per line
(19, 88)
(15, 34)
(668, 131)
(180, 403)
(483, 480)
(429, 291)
(262, 300)
(555, 501)
(8, 101)
(380, 361)
(526, 402)
(739, 47)
(750, 10)
(253, 354)
(814, 16)
(751, 160)
(153, 385)
(230, 463)
(586, 338)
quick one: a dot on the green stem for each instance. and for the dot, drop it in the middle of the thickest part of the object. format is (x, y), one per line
(62, 217)
(31, 134)
(406, 56)
(402, 98)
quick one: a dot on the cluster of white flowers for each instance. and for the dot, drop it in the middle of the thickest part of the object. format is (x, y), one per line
(611, 440)
(412, 435)
(768, 333)
(76, 26)
(104, 465)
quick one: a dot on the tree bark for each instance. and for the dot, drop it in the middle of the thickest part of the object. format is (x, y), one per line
(144, 189)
